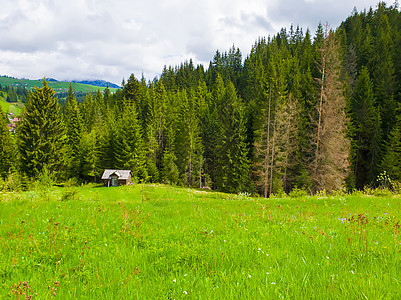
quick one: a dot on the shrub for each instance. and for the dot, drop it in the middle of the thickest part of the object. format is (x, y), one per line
(69, 190)
(384, 181)
(297, 193)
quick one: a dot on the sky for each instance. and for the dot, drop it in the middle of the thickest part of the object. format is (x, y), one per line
(111, 39)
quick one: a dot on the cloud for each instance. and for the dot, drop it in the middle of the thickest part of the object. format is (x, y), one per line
(309, 13)
(110, 39)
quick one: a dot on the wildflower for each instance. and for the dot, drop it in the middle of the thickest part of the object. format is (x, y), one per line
(185, 275)
(185, 292)
(174, 280)
(249, 275)
(273, 283)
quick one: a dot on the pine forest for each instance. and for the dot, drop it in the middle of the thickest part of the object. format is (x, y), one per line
(318, 111)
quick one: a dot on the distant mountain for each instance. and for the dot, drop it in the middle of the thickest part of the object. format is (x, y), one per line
(100, 83)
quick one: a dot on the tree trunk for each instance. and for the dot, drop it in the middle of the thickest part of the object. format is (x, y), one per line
(320, 111)
(272, 159)
(267, 153)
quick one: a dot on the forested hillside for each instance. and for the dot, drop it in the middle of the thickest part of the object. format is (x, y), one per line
(317, 111)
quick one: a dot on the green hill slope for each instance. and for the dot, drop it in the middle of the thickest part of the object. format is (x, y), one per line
(58, 86)
(9, 107)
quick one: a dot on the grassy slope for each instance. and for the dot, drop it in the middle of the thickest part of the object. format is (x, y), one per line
(9, 107)
(30, 84)
(153, 241)
(57, 86)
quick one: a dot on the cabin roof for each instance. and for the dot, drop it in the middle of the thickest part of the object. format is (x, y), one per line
(121, 174)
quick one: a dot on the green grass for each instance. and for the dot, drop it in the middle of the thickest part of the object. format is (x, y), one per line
(10, 107)
(58, 86)
(160, 242)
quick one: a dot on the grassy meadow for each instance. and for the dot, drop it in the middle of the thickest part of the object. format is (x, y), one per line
(10, 107)
(58, 86)
(161, 242)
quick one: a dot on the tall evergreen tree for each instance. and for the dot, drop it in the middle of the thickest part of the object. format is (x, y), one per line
(131, 90)
(89, 161)
(232, 174)
(130, 152)
(212, 129)
(367, 136)
(6, 148)
(266, 137)
(383, 73)
(189, 145)
(392, 159)
(87, 109)
(41, 134)
(73, 124)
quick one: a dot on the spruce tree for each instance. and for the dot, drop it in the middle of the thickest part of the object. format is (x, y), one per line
(170, 173)
(392, 159)
(211, 133)
(232, 173)
(129, 150)
(87, 111)
(367, 136)
(41, 134)
(188, 144)
(155, 130)
(88, 156)
(73, 124)
(132, 90)
(6, 148)
(383, 74)
(266, 138)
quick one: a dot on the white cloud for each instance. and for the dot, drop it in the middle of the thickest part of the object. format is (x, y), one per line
(110, 39)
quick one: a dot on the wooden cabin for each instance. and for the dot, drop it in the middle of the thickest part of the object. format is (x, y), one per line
(116, 177)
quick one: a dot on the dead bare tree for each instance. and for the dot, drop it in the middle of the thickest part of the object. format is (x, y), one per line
(332, 150)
